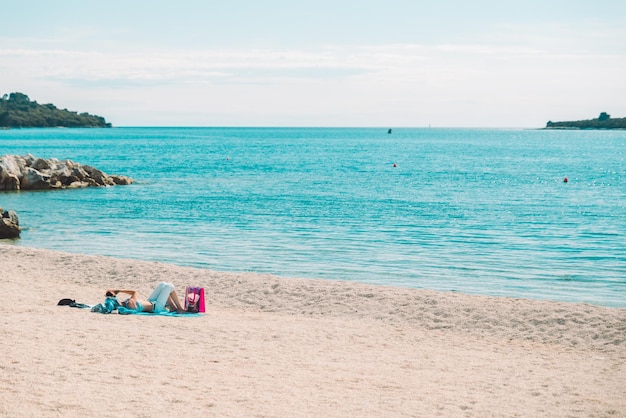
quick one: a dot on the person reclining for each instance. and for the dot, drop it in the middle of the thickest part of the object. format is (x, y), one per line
(164, 295)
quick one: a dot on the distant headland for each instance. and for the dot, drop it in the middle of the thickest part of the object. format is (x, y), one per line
(18, 111)
(604, 121)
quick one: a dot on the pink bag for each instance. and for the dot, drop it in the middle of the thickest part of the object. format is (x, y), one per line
(194, 299)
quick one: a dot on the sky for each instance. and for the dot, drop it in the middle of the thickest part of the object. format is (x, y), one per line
(388, 63)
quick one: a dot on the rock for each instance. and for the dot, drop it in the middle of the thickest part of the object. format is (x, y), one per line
(31, 173)
(122, 180)
(10, 173)
(10, 215)
(41, 164)
(10, 183)
(98, 176)
(79, 173)
(34, 180)
(9, 225)
(77, 185)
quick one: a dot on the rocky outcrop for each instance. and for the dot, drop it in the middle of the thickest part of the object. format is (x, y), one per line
(9, 224)
(31, 173)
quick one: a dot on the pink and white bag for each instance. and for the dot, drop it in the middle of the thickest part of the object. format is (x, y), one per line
(194, 299)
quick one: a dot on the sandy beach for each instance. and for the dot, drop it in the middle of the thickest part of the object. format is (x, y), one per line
(277, 347)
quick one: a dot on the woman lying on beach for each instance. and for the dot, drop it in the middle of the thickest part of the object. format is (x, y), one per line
(163, 295)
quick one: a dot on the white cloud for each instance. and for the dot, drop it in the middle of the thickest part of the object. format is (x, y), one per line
(193, 66)
(521, 77)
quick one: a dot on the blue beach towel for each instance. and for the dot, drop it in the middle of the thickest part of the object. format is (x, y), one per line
(111, 304)
(123, 311)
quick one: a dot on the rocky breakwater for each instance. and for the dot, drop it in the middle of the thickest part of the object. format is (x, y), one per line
(31, 173)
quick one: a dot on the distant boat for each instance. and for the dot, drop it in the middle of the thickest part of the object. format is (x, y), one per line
(389, 131)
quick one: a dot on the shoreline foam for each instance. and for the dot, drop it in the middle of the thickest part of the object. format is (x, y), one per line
(271, 346)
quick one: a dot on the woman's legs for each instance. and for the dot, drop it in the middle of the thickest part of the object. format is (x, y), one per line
(174, 302)
(161, 295)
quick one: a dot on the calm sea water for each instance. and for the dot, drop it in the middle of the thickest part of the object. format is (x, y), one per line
(468, 210)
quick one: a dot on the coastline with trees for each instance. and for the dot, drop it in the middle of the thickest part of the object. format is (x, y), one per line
(18, 111)
(604, 121)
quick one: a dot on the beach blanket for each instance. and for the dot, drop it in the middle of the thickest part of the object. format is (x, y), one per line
(123, 311)
(109, 306)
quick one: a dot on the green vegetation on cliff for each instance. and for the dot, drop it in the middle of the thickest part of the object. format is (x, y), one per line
(18, 111)
(603, 121)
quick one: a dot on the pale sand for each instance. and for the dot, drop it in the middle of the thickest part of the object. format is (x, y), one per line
(269, 346)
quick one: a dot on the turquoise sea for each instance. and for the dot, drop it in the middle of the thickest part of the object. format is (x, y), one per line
(480, 211)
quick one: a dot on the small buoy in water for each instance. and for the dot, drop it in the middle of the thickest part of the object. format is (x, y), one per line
(389, 131)
(565, 180)
(394, 164)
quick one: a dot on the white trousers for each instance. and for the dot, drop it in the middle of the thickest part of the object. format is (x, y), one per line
(160, 295)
